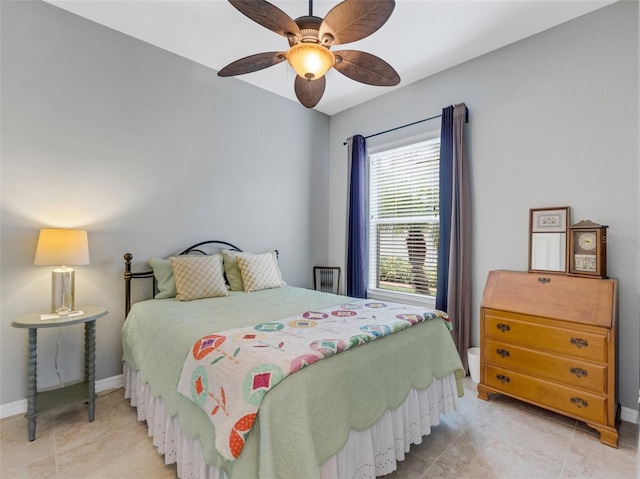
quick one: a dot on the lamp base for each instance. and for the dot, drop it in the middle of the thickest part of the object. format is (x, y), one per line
(62, 291)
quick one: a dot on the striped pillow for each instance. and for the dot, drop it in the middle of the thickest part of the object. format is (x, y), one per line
(198, 277)
(259, 271)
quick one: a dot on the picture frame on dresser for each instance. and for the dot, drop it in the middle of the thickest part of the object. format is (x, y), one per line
(548, 239)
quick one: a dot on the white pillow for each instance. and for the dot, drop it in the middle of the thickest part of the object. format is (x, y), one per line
(259, 271)
(198, 277)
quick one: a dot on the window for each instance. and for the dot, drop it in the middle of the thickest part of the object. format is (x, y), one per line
(404, 220)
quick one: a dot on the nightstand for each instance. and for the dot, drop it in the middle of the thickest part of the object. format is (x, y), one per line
(83, 392)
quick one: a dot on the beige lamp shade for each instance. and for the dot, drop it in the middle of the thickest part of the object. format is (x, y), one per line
(59, 246)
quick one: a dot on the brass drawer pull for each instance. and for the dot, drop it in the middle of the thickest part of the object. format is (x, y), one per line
(502, 352)
(579, 402)
(503, 327)
(503, 379)
(579, 343)
(578, 372)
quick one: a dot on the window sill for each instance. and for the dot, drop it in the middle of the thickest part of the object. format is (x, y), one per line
(383, 295)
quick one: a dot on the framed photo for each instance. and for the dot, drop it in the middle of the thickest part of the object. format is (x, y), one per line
(548, 240)
(549, 220)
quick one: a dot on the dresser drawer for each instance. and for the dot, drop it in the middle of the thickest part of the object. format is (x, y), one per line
(579, 344)
(567, 370)
(588, 406)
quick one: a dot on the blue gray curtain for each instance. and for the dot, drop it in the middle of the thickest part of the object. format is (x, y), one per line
(454, 249)
(446, 172)
(357, 227)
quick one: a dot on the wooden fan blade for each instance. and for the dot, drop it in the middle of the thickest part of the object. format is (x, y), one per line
(252, 63)
(354, 20)
(268, 16)
(365, 68)
(309, 92)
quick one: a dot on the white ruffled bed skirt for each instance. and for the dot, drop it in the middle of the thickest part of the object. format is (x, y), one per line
(366, 454)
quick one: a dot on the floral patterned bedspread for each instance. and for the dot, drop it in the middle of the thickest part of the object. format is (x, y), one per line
(228, 373)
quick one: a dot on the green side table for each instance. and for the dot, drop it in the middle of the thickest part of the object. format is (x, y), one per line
(83, 392)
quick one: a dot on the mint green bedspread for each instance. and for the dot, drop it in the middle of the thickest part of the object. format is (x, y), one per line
(306, 418)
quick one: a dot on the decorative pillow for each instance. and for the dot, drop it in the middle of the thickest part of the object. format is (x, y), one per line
(259, 271)
(163, 272)
(198, 277)
(232, 270)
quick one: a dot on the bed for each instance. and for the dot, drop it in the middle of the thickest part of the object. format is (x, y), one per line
(350, 415)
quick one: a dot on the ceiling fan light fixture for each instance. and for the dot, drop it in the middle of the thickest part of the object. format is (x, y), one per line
(310, 60)
(310, 39)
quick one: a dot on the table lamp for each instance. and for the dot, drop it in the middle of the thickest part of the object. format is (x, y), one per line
(61, 246)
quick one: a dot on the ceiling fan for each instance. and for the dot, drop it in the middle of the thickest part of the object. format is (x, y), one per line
(310, 39)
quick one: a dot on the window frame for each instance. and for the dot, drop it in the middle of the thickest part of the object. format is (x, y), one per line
(384, 294)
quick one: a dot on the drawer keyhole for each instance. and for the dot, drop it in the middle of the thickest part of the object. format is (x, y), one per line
(503, 327)
(578, 372)
(503, 379)
(579, 343)
(503, 353)
(579, 402)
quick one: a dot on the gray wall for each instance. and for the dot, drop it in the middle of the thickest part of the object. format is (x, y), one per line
(150, 153)
(553, 122)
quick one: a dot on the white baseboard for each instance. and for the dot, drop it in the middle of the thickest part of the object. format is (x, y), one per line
(20, 407)
(113, 383)
(629, 415)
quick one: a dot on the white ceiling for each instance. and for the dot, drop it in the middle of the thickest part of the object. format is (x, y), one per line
(421, 38)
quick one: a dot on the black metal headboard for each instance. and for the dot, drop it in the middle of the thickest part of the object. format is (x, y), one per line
(129, 275)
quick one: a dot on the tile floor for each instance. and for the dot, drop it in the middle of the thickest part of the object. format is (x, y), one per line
(500, 438)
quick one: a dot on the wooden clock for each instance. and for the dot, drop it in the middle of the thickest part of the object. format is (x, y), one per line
(588, 249)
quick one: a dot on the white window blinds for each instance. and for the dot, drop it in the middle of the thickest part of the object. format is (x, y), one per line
(404, 218)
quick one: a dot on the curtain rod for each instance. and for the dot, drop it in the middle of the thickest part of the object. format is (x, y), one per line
(466, 120)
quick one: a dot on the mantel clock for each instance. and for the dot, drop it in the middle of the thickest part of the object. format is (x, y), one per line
(588, 249)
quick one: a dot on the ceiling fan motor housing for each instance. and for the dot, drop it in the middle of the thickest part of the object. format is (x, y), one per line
(309, 27)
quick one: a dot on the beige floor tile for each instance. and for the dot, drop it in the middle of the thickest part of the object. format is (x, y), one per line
(44, 468)
(477, 455)
(569, 474)
(115, 445)
(441, 437)
(589, 457)
(536, 434)
(20, 457)
(127, 453)
(112, 415)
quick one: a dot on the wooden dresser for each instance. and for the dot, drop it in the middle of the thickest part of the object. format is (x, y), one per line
(550, 340)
